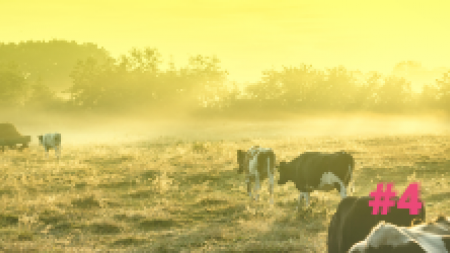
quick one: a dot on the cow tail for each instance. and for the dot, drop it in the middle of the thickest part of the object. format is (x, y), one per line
(351, 167)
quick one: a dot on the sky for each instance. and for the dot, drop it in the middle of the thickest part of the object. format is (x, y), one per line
(247, 36)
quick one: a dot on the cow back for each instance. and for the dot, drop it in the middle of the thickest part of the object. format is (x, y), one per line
(333, 242)
(311, 166)
(355, 221)
(265, 158)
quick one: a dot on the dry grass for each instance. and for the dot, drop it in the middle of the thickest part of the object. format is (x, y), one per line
(179, 195)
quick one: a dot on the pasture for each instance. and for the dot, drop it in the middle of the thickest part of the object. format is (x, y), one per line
(174, 194)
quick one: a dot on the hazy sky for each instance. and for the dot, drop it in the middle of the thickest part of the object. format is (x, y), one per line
(247, 36)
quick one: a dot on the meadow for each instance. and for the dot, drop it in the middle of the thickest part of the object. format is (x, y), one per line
(178, 194)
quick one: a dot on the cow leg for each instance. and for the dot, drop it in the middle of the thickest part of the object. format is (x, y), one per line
(257, 186)
(247, 182)
(46, 152)
(58, 151)
(352, 187)
(342, 189)
(304, 195)
(271, 181)
(299, 200)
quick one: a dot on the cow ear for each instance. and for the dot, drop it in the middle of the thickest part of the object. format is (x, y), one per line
(416, 221)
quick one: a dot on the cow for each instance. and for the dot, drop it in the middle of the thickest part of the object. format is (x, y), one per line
(318, 171)
(432, 237)
(354, 220)
(257, 163)
(51, 141)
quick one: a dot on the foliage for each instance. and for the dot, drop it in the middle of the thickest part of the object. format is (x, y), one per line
(50, 60)
(13, 86)
(138, 82)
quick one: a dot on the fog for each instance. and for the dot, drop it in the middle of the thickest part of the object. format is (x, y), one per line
(113, 130)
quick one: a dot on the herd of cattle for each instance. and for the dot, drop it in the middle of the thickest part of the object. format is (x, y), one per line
(353, 228)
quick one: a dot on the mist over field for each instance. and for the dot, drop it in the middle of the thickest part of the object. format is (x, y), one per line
(154, 98)
(90, 96)
(89, 129)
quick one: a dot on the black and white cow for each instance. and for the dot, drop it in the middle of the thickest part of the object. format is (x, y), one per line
(51, 141)
(432, 237)
(258, 164)
(354, 220)
(318, 171)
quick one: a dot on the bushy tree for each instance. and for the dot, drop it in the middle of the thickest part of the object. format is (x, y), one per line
(394, 95)
(443, 91)
(13, 86)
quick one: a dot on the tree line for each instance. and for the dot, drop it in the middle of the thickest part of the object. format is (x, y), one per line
(140, 81)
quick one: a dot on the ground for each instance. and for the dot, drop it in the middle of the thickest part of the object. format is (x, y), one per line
(172, 194)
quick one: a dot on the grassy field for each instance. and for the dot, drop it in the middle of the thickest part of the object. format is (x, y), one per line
(172, 194)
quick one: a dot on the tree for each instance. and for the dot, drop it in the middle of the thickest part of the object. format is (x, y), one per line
(338, 90)
(366, 94)
(42, 97)
(51, 60)
(443, 91)
(428, 98)
(13, 86)
(394, 95)
(203, 81)
(88, 87)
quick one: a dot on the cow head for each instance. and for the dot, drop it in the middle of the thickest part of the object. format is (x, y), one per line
(241, 160)
(284, 173)
(41, 139)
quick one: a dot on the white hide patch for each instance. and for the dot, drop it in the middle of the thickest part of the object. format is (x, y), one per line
(429, 242)
(388, 234)
(327, 181)
(253, 163)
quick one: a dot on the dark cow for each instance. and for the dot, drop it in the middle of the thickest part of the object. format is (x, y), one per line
(432, 237)
(354, 220)
(318, 171)
(258, 164)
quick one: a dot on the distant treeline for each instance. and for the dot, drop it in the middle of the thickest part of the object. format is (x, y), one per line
(139, 82)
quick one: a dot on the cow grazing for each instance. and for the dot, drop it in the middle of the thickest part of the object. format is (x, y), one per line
(258, 164)
(432, 237)
(354, 220)
(318, 171)
(51, 141)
